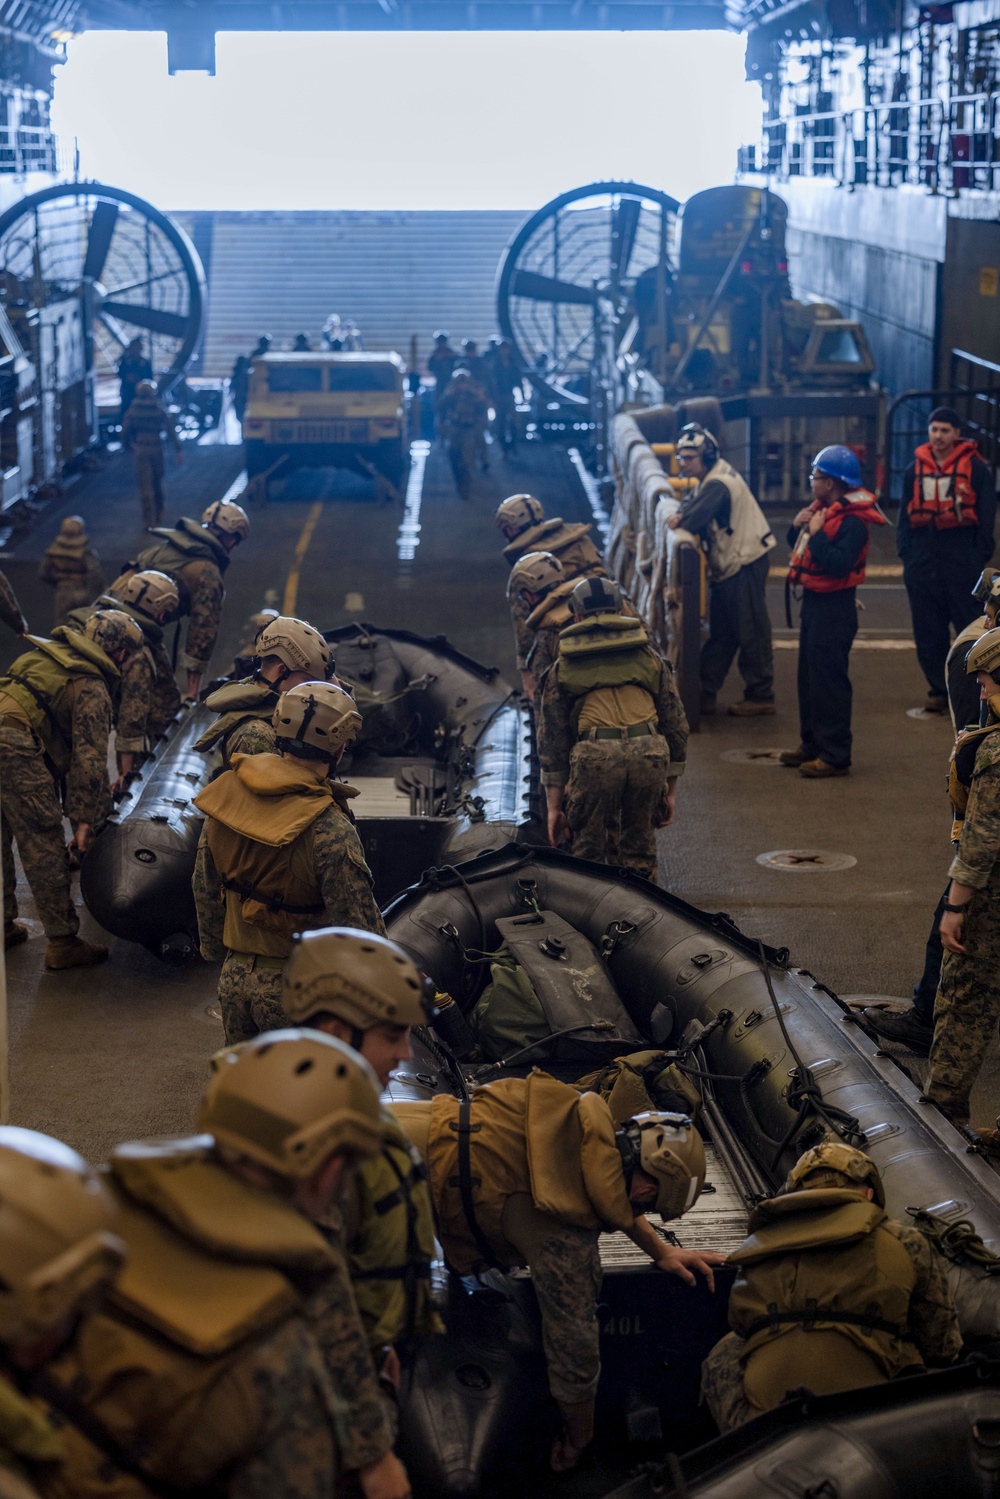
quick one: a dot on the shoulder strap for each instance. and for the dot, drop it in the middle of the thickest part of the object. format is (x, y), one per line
(463, 1128)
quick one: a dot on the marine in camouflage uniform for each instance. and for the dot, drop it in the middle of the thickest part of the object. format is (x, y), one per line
(967, 1006)
(55, 720)
(145, 424)
(72, 567)
(612, 735)
(860, 1275)
(462, 415)
(521, 518)
(279, 854)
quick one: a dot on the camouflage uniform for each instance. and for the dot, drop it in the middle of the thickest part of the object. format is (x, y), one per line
(145, 424)
(75, 573)
(364, 1430)
(462, 414)
(614, 787)
(10, 609)
(933, 1327)
(255, 736)
(33, 816)
(577, 554)
(250, 983)
(199, 578)
(968, 999)
(148, 698)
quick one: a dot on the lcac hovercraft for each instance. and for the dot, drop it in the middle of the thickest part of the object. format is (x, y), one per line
(617, 965)
(443, 766)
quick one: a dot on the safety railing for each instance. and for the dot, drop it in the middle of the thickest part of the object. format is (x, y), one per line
(945, 145)
(974, 394)
(28, 148)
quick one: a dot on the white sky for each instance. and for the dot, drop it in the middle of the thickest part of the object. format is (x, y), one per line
(409, 120)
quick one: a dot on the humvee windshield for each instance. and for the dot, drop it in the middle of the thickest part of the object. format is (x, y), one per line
(363, 377)
(294, 378)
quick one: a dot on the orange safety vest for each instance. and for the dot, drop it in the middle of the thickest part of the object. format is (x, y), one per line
(804, 571)
(943, 496)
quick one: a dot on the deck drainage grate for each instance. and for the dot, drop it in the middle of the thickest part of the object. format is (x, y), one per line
(752, 756)
(806, 860)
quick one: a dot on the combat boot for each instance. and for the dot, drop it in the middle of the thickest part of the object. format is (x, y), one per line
(14, 935)
(935, 702)
(821, 770)
(750, 708)
(795, 757)
(73, 952)
(907, 1027)
(989, 1142)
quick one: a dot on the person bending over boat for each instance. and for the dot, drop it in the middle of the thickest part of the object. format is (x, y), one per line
(531, 1172)
(612, 735)
(831, 1294)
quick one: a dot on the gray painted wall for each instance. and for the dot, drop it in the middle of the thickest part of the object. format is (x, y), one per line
(396, 273)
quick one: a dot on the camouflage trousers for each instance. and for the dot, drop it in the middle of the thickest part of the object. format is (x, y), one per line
(722, 1384)
(613, 798)
(165, 697)
(250, 996)
(967, 1007)
(33, 817)
(463, 447)
(149, 477)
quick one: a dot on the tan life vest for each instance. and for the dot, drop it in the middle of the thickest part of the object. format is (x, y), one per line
(237, 703)
(214, 1267)
(965, 764)
(821, 1261)
(607, 650)
(260, 835)
(179, 552)
(389, 1228)
(556, 536)
(641, 1081)
(748, 535)
(534, 1135)
(42, 683)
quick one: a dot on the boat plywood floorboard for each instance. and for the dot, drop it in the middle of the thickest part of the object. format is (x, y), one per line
(717, 1221)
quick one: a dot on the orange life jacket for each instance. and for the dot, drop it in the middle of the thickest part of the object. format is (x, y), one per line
(943, 496)
(802, 569)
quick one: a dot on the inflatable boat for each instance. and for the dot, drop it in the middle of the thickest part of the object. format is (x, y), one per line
(780, 1062)
(443, 766)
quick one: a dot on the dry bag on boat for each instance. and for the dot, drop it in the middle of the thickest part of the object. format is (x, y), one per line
(547, 978)
(641, 1081)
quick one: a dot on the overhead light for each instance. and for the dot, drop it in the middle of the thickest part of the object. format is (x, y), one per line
(61, 35)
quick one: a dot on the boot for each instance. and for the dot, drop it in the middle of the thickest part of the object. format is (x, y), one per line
(936, 702)
(908, 1028)
(989, 1142)
(749, 708)
(820, 770)
(14, 935)
(707, 705)
(795, 758)
(73, 952)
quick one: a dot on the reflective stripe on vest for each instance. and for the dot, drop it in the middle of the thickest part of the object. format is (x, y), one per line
(943, 497)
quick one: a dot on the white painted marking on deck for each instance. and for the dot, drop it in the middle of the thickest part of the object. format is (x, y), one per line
(592, 490)
(408, 538)
(235, 489)
(859, 645)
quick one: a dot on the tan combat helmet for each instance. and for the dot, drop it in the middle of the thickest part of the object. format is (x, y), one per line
(57, 1241)
(537, 572)
(985, 656)
(517, 513)
(291, 1099)
(595, 596)
(73, 530)
(316, 720)
(113, 631)
(358, 977)
(227, 518)
(669, 1149)
(150, 592)
(815, 1167)
(987, 589)
(296, 645)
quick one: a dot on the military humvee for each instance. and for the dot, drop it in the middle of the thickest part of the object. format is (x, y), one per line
(327, 410)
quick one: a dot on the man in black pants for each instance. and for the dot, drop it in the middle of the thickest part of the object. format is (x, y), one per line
(829, 541)
(944, 535)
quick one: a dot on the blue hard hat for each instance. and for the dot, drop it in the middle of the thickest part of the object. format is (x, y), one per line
(841, 463)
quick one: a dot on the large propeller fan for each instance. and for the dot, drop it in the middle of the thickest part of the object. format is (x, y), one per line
(136, 270)
(567, 281)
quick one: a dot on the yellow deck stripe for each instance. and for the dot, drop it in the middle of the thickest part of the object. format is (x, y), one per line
(891, 570)
(302, 546)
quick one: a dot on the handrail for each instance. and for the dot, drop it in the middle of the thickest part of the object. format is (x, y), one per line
(946, 144)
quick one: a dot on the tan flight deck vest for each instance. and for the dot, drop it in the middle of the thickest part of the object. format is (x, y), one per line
(260, 830)
(748, 536)
(569, 541)
(42, 683)
(822, 1297)
(213, 1272)
(533, 1135)
(237, 703)
(972, 753)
